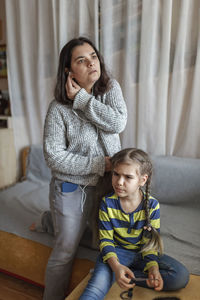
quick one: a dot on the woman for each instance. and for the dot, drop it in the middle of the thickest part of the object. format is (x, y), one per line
(81, 132)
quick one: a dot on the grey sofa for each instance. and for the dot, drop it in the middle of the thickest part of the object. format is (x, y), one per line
(176, 184)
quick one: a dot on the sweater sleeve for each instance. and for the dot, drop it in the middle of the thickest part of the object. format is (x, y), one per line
(56, 153)
(106, 231)
(110, 116)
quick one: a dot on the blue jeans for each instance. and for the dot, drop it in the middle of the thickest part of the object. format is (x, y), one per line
(175, 275)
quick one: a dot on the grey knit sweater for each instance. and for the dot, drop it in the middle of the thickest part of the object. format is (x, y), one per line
(77, 137)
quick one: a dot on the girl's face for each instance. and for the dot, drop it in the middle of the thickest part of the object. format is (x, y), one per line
(127, 180)
(85, 66)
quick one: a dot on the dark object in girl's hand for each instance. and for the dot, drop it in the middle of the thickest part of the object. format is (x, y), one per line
(166, 298)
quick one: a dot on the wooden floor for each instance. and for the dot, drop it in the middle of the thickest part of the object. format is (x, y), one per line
(15, 289)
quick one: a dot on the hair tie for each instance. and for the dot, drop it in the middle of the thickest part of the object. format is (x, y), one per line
(147, 231)
(148, 227)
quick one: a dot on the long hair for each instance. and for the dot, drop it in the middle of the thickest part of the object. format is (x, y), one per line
(150, 234)
(99, 88)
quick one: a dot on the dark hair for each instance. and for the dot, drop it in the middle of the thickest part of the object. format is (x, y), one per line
(152, 238)
(99, 88)
(167, 298)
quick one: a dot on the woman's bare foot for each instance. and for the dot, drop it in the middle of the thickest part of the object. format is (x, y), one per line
(32, 227)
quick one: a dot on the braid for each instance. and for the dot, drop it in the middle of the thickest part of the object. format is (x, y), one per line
(146, 203)
(150, 233)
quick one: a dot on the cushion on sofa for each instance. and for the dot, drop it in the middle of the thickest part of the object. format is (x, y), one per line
(37, 169)
(176, 180)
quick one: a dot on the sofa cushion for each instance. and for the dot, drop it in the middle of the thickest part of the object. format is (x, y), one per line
(37, 169)
(176, 180)
(180, 234)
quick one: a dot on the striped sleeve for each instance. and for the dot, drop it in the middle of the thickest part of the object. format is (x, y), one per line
(150, 259)
(155, 214)
(106, 232)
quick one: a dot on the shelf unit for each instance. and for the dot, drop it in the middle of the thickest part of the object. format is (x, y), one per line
(8, 165)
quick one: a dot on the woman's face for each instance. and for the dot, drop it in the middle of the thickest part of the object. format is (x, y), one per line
(85, 66)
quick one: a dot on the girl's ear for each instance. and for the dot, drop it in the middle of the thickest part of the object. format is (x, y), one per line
(143, 179)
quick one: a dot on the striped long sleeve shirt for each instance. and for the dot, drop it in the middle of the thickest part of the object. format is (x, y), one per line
(118, 228)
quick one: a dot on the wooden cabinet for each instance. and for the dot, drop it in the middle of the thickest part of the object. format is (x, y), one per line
(7, 153)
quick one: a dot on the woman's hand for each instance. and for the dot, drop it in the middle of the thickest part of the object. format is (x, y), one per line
(72, 88)
(108, 165)
(155, 279)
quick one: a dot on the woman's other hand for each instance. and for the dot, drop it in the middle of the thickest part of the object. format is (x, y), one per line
(72, 88)
(108, 165)
(155, 279)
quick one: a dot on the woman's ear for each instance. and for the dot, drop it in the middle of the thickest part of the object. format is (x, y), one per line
(143, 179)
(68, 72)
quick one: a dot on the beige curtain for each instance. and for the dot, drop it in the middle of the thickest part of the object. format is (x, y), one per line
(153, 48)
(36, 32)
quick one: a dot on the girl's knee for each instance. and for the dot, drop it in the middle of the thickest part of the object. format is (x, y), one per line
(177, 279)
(184, 277)
(98, 285)
(92, 293)
(95, 290)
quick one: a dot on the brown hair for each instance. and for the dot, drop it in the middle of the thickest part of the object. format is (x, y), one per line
(99, 88)
(151, 236)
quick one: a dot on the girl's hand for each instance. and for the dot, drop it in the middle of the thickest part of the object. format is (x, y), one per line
(123, 276)
(155, 279)
(72, 88)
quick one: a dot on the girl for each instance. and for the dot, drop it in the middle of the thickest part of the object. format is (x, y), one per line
(129, 226)
(81, 132)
